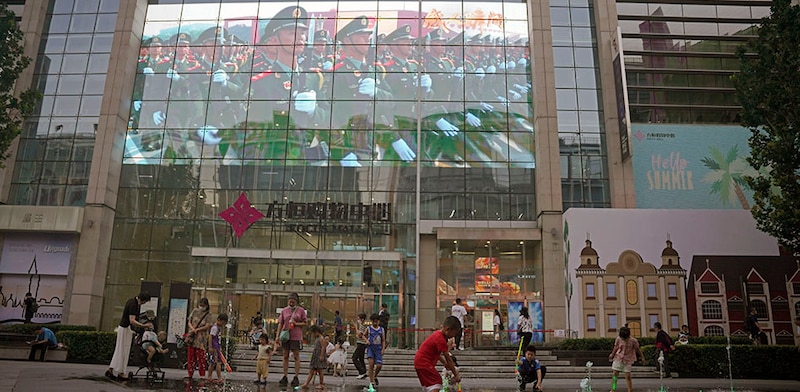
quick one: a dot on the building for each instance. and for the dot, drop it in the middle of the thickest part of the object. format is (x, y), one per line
(631, 292)
(723, 289)
(378, 182)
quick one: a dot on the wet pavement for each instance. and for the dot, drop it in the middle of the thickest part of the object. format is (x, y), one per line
(26, 376)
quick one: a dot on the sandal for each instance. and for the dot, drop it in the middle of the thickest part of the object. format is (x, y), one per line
(109, 374)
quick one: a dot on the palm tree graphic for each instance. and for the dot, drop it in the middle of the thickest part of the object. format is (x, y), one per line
(727, 175)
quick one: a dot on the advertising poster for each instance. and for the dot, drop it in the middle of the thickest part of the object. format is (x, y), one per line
(35, 263)
(691, 166)
(485, 270)
(178, 312)
(334, 83)
(513, 320)
(537, 320)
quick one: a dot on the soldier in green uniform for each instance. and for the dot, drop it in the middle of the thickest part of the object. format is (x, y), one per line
(150, 94)
(284, 119)
(403, 76)
(357, 84)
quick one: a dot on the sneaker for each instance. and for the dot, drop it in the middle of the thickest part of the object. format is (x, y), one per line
(257, 382)
(283, 382)
(295, 381)
(376, 381)
(362, 376)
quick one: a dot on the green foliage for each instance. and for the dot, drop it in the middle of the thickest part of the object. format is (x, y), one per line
(88, 346)
(747, 361)
(12, 63)
(28, 329)
(769, 91)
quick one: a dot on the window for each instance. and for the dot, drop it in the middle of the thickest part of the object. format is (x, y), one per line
(796, 288)
(709, 288)
(674, 322)
(755, 288)
(651, 291)
(611, 290)
(797, 309)
(712, 310)
(672, 290)
(760, 307)
(612, 322)
(713, 330)
(589, 290)
(636, 328)
(632, 292)
(651, 320)
(591, 322)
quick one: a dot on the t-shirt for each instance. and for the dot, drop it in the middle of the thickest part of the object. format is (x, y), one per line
(524, 324)
(529, 368)
(459, 311)
(430, 350)
(264, 351)
(625, 350)
(131, 309)
(337, 321)
(375, 336)
(48, 335)
(295, 333)
(384, 318)
(29, 304)
(214, 336)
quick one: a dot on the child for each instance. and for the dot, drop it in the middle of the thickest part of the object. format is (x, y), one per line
(152, 344)
(623, 357)
(447, 376)
(263, 357)
(530, 370)
(683, 335)
(376, 344)
(434, 349)
(318, 357)
(215, 349)
(338, 359)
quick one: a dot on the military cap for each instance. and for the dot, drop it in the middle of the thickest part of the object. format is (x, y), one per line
(180, 38)
(457, 40)
(381, 38)
(322, 36)
(487, 39)
(152, 41)
(358, 25)
(402, 32)
(217, 33)
(293, 16)
(435, 35)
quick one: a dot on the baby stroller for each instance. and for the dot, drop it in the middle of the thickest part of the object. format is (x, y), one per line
(152, 373)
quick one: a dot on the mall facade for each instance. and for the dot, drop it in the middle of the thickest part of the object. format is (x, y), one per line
(355, 152)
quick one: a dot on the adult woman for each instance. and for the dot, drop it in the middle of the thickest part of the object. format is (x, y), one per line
(122, 350)
(525, 327)
(200, 321)
(361, 347)
(498, 326)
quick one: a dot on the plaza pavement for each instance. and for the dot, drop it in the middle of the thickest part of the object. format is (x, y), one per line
(24, 376)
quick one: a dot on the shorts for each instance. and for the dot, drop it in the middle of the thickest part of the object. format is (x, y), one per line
(620, 366)
(291, 345)
(374, 352)
(147, 345)
(429, 378)
(262, 367)
(214, 357)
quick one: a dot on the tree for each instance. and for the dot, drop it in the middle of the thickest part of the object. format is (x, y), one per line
(727, 175)
(12, 62)
(768, 88)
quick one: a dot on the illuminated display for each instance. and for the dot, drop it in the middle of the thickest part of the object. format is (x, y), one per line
(352, 84)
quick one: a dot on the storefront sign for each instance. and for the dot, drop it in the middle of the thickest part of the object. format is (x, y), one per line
(333, 217)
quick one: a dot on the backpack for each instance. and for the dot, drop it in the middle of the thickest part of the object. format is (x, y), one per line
(34, 307)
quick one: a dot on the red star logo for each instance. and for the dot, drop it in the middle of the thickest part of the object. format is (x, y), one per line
(241, 215)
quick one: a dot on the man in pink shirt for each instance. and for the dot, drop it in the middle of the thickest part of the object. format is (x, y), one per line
(292, 319)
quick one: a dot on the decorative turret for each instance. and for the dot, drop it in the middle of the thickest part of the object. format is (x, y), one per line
(669, 256)
(588, 255)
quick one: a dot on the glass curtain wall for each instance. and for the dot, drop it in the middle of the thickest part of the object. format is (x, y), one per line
(57, 141)
(581, 134)
(679, 58)
(322, 114)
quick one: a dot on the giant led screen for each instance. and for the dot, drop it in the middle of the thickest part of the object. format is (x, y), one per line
(352, 84)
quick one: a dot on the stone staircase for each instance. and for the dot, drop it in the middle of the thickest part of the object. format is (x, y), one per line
(477, 363)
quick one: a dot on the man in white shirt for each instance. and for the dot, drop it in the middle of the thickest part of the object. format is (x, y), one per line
(459, 311)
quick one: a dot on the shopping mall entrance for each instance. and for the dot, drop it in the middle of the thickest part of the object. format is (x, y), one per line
(344, 281)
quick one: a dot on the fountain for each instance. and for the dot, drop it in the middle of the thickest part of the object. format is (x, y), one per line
(586, 382)
(661, 371)
(730, 366)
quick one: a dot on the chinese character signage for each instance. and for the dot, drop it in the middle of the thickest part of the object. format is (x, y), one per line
(350, 84)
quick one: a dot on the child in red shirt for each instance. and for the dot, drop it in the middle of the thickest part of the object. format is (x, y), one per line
(434, 349)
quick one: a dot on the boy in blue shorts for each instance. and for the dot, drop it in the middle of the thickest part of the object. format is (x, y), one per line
(376, 345)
